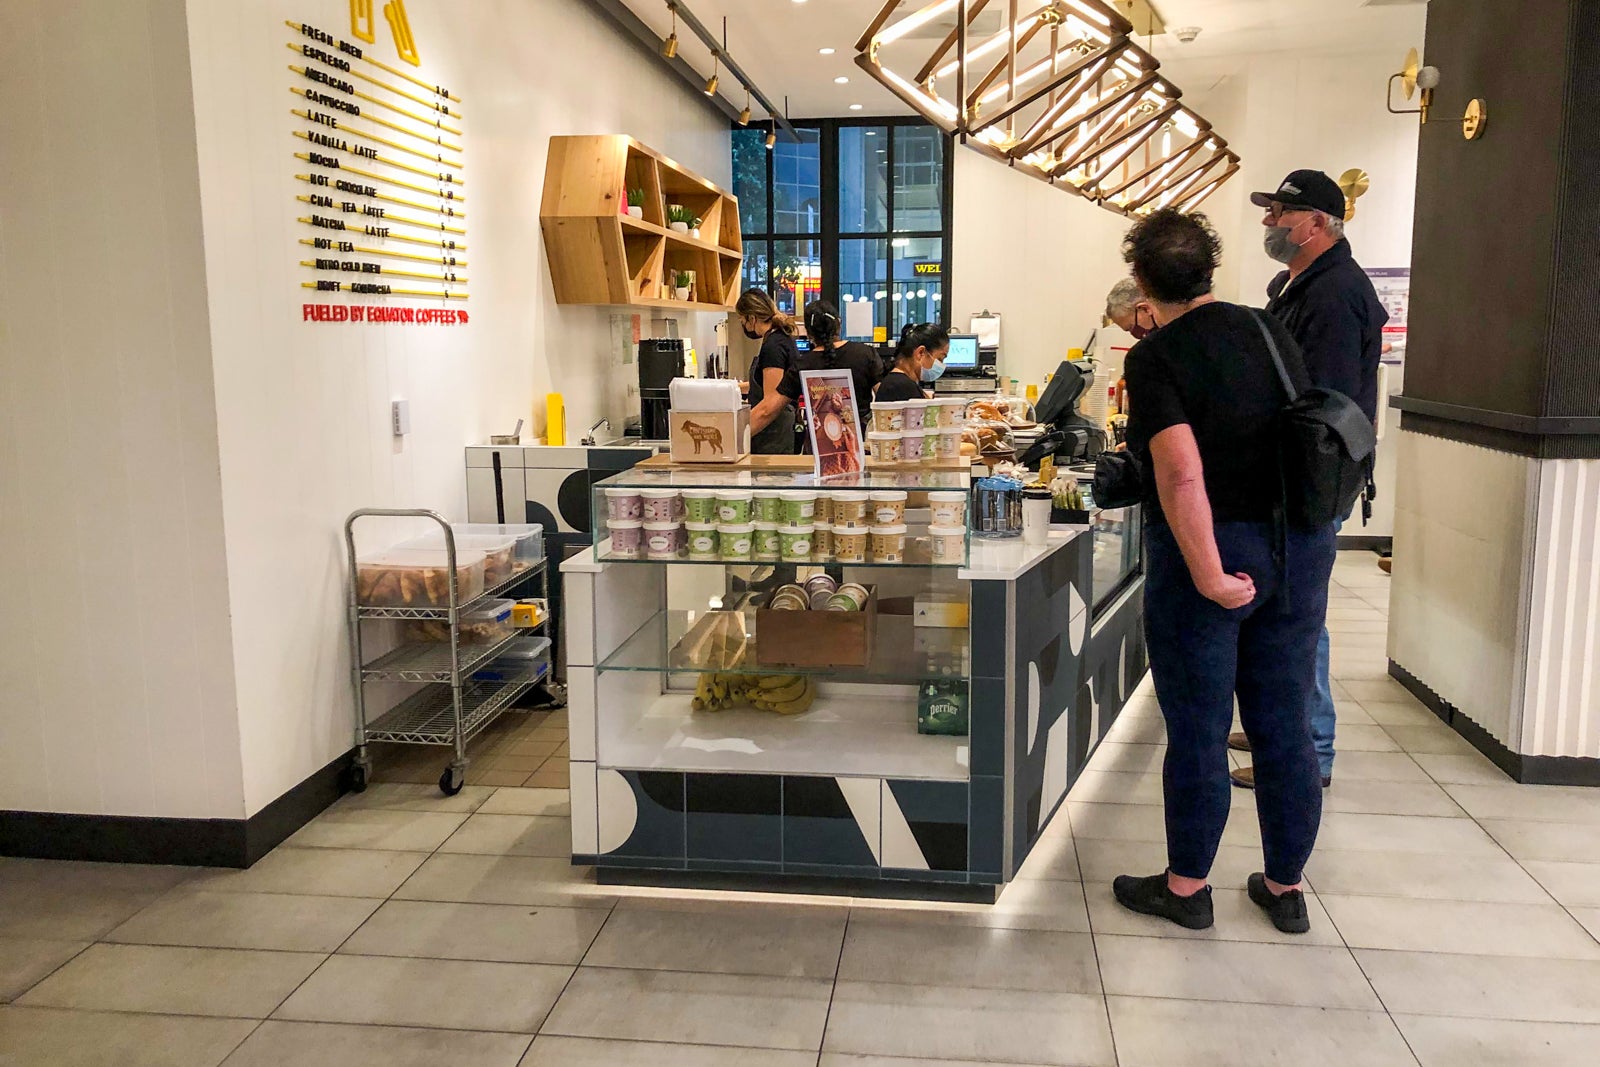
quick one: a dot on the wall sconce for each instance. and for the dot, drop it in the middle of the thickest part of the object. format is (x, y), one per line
(1413, 77)
(1354, 183)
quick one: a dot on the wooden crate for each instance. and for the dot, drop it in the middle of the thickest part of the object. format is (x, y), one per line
(817, 638)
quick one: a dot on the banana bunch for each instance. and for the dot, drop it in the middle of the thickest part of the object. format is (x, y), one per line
(786, 694)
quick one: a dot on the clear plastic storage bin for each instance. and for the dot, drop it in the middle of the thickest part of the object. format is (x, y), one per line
(417, 577)
(521, 657)
(508, 549)
(490, 621)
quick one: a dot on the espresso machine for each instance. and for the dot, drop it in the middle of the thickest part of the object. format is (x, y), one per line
(660, 361)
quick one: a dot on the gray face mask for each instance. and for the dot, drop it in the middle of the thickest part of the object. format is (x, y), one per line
(1279, 245)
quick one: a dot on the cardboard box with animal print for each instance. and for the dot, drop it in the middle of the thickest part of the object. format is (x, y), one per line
(710, 436)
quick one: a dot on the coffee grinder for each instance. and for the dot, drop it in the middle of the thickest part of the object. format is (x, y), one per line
(660, 361)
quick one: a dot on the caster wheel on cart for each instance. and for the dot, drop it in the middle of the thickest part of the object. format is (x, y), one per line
(451, 781)
(357, 778)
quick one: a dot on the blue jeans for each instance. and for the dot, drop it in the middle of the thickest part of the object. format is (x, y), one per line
(1322, 711)
(1266, 652)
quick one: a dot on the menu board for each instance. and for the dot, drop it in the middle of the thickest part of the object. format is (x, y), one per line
(380, 153)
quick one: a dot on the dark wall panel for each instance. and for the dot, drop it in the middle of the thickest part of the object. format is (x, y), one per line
(1574, 379)
(1486, 215)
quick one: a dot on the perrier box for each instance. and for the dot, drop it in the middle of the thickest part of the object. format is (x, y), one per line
(942, 707)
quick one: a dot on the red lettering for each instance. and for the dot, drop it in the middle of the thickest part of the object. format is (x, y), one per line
(463, 317)
(307, 311)
(355, 313)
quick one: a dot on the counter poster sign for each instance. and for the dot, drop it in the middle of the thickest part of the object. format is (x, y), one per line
(1394, 293)
(380, 156)
(833, 422)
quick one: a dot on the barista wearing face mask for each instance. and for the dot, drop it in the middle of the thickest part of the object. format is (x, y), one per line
(1127, 307)
(1329, 306)
(918, 361)
(774, 374)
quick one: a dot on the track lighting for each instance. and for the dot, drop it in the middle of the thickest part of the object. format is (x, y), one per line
(744, 113)
(711, 82)
(772, 139)
(669, 47)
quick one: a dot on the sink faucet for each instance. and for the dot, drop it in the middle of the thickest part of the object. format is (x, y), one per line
(588, 438)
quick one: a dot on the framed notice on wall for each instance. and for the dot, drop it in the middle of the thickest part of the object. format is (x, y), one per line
(832, 422)
(1394, 293)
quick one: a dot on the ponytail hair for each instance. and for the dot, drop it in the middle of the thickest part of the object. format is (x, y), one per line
(756, 304)
(822, 323)
(929, 335)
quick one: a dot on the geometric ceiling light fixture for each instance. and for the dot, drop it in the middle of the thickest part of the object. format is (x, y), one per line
(1056, 88)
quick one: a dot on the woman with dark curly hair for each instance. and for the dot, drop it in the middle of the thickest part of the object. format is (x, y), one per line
(1234, 600)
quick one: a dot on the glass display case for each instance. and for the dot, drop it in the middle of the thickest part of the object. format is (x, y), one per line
(1118, 553)
(910, 713)
(799, 629)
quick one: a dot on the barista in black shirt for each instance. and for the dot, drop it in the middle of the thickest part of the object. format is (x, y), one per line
(919, 359)
(774, 375)
(829, 351)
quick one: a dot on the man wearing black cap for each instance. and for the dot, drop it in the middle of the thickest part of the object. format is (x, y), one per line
(1330, 307)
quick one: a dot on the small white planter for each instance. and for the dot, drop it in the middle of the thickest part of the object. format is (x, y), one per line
(680, 227)
(636, 211)
(682, 294)
(695, 233)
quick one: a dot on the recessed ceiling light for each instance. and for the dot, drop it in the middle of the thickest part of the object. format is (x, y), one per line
(872, 133)
(824, 51)
(841, 80)
(855, 107)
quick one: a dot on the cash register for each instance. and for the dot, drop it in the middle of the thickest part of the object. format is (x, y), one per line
(969, 369)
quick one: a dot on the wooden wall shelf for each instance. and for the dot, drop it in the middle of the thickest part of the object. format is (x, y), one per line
(598, 254)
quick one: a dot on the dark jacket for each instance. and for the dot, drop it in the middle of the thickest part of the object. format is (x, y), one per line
(1333, 311)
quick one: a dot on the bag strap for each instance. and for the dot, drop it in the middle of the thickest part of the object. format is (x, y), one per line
(1277, 358)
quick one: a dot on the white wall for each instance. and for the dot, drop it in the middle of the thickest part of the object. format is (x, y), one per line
(1040, 257)
(303, 409)
(116, 671)
(1286, 111)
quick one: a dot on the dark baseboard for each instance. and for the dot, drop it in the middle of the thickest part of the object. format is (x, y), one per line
(183, 842)
(272, 825)
(1355, 543)
(890, 888)
(1529, 770)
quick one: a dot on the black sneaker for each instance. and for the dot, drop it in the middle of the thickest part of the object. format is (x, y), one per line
(1287, 912)
(1150, 896)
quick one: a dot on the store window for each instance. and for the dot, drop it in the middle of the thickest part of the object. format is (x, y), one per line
(871, 238)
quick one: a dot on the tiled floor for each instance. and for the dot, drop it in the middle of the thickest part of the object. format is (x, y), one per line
(1456, 917)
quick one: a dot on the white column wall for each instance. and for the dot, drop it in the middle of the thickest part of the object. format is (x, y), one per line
(303, 409)
(116, 671)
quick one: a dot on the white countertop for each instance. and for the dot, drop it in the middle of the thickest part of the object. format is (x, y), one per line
(1005, 560)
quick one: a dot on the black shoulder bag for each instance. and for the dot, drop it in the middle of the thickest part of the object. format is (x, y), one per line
(1327, 445)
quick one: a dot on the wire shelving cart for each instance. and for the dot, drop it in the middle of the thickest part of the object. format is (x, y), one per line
(464, 686)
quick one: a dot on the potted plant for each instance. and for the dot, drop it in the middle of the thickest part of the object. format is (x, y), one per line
(680, 218)
(682, 280)
(636, 203)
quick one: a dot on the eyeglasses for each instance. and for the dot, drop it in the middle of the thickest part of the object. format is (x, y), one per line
(1278, 211)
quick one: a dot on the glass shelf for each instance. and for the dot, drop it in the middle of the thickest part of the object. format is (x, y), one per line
(902, 653)
(918, 554)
